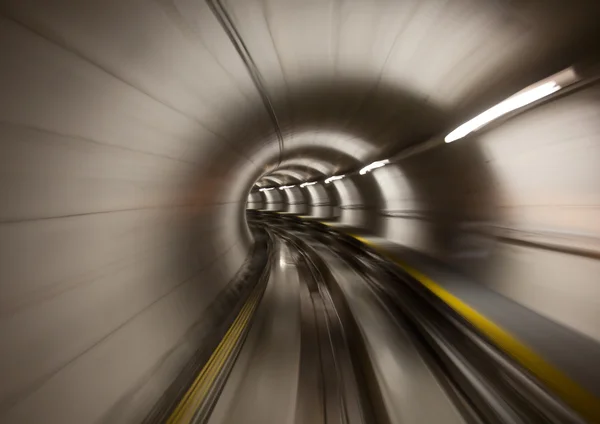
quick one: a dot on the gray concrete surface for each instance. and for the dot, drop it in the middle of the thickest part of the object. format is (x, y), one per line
(411, 393)
(263, 385)
(552, 341)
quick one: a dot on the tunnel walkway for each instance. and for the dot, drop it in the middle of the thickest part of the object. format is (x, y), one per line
(332, 342)
(541, 344)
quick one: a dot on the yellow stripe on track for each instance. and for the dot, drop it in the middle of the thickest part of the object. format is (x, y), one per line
(187, 407)
(580, 399)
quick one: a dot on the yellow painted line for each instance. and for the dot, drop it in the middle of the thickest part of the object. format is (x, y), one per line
(206, 380)
(193, 398)
(365, 241)
(224, 357)
(185, 410)
(581, 400)
(202, 389)
(209, 365)
(188, 406)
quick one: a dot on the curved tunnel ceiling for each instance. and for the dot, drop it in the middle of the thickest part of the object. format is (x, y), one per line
(133, 133)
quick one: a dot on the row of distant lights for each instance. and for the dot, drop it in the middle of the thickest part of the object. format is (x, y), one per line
(368, 168)
(517, 101)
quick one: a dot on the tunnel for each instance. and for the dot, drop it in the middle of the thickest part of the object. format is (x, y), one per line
(140, 136)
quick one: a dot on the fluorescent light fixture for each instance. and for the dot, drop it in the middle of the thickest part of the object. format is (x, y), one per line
(266, 189)
(334, 178)
(286, 187)
(374, 165)
(308, 184)
(523, 98)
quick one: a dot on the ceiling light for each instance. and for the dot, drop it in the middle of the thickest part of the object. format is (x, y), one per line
(334, 178)
(286, 187)
(266, 189)
(308, 184)
(374, 165)
(517, 101)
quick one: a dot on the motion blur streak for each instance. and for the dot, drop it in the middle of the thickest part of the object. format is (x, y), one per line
(512, 103)
(137, 134)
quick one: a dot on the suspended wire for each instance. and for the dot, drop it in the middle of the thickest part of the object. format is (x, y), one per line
(225, 20)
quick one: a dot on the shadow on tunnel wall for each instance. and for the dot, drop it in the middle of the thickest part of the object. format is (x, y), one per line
(382, 118)
(386, 117)
(456, 191)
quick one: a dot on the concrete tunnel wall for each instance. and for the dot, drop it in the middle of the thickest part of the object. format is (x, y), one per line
(320, 201)
(132, 135)
(295, 201)
(255, 200)
(110, 250)
(273, 200)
